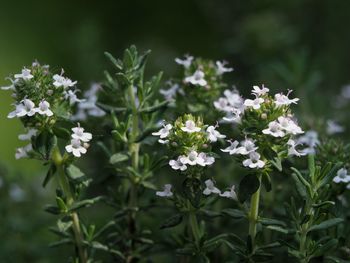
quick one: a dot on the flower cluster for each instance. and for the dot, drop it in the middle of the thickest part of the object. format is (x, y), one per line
(200, 83)
(79, 141)
(210, 188)
(190, 139)
(41, 97)
(266, 122)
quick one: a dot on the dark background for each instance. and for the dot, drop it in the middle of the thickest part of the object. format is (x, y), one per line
(298, 44)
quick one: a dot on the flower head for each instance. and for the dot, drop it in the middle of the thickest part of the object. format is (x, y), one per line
(184, 62)
(190, 127)
(255, 104)
(197, 78)
(342, 176)
(76, 148)
(254, 161)
(25, 75)
(281, 99)
(210, 188)
(221, 69)
(60, 81)
(44, 108)
(260, 91)
(166, 191)
(164, 132)
(177, 164)
(213, 134)
(79, 134)
(230, 194)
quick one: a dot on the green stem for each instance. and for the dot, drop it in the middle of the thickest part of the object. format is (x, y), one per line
(303, 234)
(253, 214)
(195, 227)
(63, 181)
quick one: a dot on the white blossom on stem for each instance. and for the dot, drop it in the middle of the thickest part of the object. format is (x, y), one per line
(213, 134)
(44, 108)
(190, 127)
(166, 191)
(177, 164)
(260, 91)
(197, 78)
(79, 134)
(281, 99)
(254, 161)
(342, 176)
(210, 188)
(230, 194)
(28, 136)
(76, 148)
(184, 62)
(221, 69)
(25, 75)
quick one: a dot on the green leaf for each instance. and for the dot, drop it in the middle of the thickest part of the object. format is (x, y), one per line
(322, 204)
(155, 107)
(277, 162)
(234, 213)
(271, 222)
(266, 181)
(282, 229)
(118, 158)
(50, 173)
(44, 144)
(299, 186)
(326, 224)
(52, 209)
(114, 61)
(172, 221)
(61, 204)
(74, 172)
(247, 187)
(85, 203)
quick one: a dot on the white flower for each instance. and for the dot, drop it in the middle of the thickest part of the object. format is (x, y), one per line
(24, 75)
(254, 161)
(247, 147)
(274, 129)
(190, 159)
(177, 164)
(28, 136)
(333, 127)
(25, 108)
(12, 86)
(214, 135)
(184, 62)
(342, 176)
(222, 105)
(234, 99)
(230, 194)
(235, 116)
(259, 92)
(310, 138)
(60, 81)
(72, 97)
(289, 125)
(22, 152)
(190, 127)
(170, 93)
(210, 188)
(163, 141)
(76, 148)
(281, 99)
(164, 132)
(204, 160)
(166, 191)
(292, 148)
(255, 104)
(197, 78)
(232, 149)
(79, 134)
(221, 69)
(44, 108)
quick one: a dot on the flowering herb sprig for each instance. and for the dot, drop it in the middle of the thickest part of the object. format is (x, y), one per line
(267, 129)
(189, 141)
(44, 106)
(200, 82)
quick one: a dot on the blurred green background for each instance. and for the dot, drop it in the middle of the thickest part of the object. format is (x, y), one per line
(297, 44)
